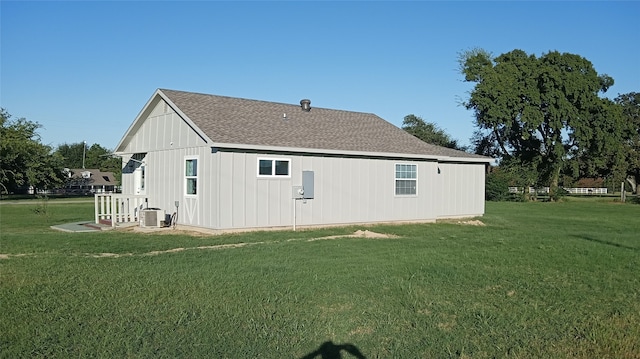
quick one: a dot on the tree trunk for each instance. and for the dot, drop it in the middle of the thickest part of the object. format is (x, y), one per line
(633, 183)
(553, 184)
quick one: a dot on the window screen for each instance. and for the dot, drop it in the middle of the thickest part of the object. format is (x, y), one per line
(406, 179)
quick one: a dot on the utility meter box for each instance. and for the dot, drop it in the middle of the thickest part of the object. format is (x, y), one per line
(306, 190)
(298, 192)
(307, 184)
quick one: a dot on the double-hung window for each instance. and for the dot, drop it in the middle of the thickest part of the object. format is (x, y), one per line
(274, 167)
(406, 179)
(191, 176)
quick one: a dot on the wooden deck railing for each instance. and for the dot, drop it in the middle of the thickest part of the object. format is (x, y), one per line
(118, 208)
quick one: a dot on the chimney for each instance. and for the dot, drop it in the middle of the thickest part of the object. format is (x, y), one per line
(306, 105)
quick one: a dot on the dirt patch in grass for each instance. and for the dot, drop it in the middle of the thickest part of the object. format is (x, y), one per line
(467, 222)
(448, 324)
(370, 234)
(335, 308)
(184, 232)
(172, 250)
(472, 223)
(7, 256)
(224, 246)
(110, 255)
(361, 330)
(170, 231)
(358, 234)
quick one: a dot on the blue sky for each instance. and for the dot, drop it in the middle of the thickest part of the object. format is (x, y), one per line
(84, 70)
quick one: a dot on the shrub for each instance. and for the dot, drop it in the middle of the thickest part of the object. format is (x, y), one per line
(497, 186)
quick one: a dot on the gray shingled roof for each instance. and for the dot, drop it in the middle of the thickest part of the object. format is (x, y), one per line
(228, 120)
(97, 178)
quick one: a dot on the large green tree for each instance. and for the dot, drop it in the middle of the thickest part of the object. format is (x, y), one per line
(24, 160)
(540, 111)
(606, 155)
(77, 155)
(630, 107)
(428, 132)
(72, 154)
(101, 158)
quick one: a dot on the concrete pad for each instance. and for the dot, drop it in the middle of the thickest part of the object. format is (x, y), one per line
(84, 226)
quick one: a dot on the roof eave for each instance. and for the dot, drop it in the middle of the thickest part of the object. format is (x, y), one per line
(351, 153)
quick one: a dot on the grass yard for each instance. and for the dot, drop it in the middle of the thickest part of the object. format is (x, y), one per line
(540, 280)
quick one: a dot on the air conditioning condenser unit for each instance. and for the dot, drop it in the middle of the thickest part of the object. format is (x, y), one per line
(151, 217)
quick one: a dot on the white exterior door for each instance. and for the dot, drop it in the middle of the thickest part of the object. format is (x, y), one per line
(139, 180)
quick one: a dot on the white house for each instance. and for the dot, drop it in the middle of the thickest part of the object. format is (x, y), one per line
(229, 163)
(90, 180)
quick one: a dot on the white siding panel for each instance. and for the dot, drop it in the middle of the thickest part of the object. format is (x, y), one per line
(227, 201)
(127, 178)
(262, 202)
(166, 139)
(239, 190)
(274, 203)
(211, 194)
(462, 190)
(362, 190)
(163, 131)
(251, 188)
(165, 185)
(347, 190)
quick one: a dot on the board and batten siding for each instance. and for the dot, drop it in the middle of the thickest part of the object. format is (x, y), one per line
(166, 141)
(347, 190)
(462, 190)
(163, 129)
(244, 199)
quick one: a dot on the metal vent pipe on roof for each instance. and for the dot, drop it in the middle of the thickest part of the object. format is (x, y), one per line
(306, 105)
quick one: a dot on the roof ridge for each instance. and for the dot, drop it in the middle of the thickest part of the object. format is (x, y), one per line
(261, 101)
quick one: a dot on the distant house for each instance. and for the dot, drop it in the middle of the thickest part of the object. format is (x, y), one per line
(230, 163)
(85, 181)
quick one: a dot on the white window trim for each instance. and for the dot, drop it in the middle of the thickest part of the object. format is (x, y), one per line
(273, 167)
(197, 176)
(139, 173)
(395, 179)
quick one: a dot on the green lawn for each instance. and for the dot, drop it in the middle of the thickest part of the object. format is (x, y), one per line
(541, 280)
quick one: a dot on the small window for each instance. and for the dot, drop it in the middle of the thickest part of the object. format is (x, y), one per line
(282, 168)
(191, 176)
(265, 167)
(406, 179)
(268, 167)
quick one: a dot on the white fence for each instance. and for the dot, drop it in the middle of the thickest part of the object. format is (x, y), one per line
(118, 208)
(575, 190)
(587, 190)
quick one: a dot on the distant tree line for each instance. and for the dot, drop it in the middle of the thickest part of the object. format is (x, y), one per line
(26, 162)
(429, 132)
